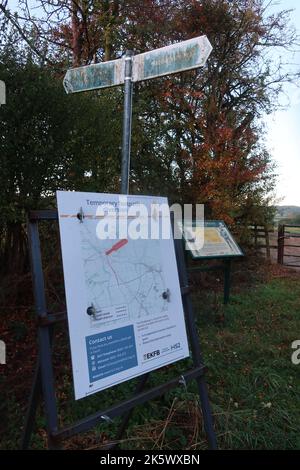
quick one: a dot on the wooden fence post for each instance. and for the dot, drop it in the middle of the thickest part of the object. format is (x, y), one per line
(280, 253)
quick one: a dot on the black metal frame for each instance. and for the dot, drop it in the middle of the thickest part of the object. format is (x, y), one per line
(43, 382)
(224, 266)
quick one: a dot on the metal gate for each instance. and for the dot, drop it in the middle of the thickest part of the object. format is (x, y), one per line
(289, 245)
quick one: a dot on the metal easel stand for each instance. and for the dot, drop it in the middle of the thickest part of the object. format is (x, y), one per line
(43, 384)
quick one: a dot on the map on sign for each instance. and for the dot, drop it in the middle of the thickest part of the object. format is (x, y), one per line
(216, 240)
(124, 279)
(124, 302)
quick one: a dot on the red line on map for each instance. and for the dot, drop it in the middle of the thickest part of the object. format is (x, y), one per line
(117, 246)
(115, 274)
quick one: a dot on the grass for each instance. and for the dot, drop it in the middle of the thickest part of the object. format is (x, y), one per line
(291, 229)
(253, 385)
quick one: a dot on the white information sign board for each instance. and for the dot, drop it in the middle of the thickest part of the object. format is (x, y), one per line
(124, 303)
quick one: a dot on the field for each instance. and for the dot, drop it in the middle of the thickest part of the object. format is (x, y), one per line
(253, 385)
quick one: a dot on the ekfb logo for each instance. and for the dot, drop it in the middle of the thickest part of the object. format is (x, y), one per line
(151, 355)
(2, 93)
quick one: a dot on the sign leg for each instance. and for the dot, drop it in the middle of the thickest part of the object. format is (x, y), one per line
(35, 395)
(195, 346)
(202, 388)
(44, 337)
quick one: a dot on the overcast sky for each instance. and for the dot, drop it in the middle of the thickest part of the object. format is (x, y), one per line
(283, 136)
(284, 130)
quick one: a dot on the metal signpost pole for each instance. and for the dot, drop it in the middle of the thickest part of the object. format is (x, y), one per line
(127, 118)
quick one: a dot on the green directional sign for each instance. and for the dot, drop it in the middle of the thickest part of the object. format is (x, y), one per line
(185, 55)
(91, 77)
(176, 58)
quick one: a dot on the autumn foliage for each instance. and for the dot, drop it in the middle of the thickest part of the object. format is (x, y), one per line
(197, 137)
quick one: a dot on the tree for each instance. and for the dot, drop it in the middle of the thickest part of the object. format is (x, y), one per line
(198, 136)
(70, 31)
(211, 135)
(48, 141)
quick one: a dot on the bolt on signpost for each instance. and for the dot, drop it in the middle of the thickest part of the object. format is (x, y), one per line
(179, 57)
(186, 55)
